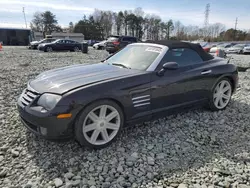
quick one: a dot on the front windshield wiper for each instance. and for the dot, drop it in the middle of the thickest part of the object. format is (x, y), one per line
(121, 65)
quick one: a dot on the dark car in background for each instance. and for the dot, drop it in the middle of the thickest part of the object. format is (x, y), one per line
(115, 43)
(61, 45)
(34, 44)
(93, 102)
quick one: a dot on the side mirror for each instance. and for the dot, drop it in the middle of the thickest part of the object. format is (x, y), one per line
(168, 66)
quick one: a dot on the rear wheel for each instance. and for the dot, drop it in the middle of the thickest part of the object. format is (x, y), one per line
(99, 124)
(221, 95)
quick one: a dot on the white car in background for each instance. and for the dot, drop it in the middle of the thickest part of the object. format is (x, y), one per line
(238, 48)
(246, 49)
(100, 45)
(223, 46)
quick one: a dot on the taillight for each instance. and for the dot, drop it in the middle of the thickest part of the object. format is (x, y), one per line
(116, 43)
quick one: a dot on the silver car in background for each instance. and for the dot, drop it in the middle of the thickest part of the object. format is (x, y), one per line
(238, 48)
(246, 49)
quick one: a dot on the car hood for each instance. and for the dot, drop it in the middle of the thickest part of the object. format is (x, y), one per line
(34, 42)
(235, 48)
(64, 79)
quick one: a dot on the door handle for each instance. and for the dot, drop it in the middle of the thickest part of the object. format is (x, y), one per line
(206, 72)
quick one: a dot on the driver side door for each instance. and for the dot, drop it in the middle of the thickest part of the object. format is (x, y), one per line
(176, 88)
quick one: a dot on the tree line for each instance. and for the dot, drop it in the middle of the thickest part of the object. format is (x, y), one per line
(101, 24)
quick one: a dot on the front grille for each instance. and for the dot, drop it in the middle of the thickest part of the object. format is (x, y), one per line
(28, 96)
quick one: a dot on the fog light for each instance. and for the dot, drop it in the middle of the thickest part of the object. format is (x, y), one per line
(43, 131)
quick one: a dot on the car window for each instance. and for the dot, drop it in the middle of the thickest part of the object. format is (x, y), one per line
(138, 57)
(129, 39)
(69, 42)
(61, 41)
(113, 39)
(182, 56)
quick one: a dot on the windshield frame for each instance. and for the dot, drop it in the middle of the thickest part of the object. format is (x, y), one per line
(158, 59)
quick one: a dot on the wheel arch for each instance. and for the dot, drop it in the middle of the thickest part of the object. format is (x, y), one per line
(230, 78)
(101, 99)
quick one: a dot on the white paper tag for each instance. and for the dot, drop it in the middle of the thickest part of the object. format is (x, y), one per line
(153, 49)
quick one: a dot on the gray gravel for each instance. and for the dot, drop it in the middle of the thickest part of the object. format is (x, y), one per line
(199, 148)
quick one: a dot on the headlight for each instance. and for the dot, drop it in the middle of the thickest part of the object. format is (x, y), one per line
(48, 101)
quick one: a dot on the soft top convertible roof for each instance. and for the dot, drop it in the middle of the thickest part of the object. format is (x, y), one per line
(178, 44)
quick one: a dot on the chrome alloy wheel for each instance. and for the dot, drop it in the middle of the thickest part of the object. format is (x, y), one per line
(101, 125)
(222, 94)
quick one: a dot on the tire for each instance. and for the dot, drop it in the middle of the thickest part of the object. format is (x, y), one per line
(240, 52)
(93, 137)
(48, 49)
(76, 49)
(223, 95)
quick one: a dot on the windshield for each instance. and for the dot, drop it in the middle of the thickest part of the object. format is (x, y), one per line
(113, 39)
(42, 40)
(55, 41)
(223, 45)
(138, 57)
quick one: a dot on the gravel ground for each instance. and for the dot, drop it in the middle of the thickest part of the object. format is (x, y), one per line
(196, 149)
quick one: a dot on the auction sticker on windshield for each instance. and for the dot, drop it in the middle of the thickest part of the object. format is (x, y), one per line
(153, 49)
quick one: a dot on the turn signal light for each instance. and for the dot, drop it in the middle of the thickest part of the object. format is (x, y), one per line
(63, 116)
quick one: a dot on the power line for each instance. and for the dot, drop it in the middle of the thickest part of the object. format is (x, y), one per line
(24, 17)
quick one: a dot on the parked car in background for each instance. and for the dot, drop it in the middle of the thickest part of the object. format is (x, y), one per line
(92, 42)
(246, 49)
(100, 45)
(208, 46)
(223, 46)
(116, 43)
(93, 102)
(60, 45)
(238, 48)
(34, 44)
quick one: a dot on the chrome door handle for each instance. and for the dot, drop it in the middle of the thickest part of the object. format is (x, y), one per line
(206, 72)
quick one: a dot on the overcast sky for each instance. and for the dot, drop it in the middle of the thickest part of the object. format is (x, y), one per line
(189, 12)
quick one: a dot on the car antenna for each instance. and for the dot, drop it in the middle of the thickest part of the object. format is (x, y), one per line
(229, 59)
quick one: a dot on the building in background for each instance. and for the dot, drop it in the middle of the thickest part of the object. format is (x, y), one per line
(36, 36)
(15, 36)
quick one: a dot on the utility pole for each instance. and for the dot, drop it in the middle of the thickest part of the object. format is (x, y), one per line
(235, 28)
(206, 20)
(24, 17)
(207, 10)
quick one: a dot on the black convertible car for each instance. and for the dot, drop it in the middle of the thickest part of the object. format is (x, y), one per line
(143, 81)
(60, 45)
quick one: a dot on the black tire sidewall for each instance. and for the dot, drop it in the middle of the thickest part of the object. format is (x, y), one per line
(78, 125)
(211, 100)
(46, 49)
(76, 47)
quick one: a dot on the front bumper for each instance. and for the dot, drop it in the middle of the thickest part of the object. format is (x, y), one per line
(44, 125)
(246, 51)
(40, 48)
(111, 49)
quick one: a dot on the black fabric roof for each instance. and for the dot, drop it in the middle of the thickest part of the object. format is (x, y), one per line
(178, 44)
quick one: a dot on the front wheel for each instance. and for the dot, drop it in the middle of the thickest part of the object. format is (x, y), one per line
(48, 49)
(221, 95)
(76, 49)
(99, 124)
